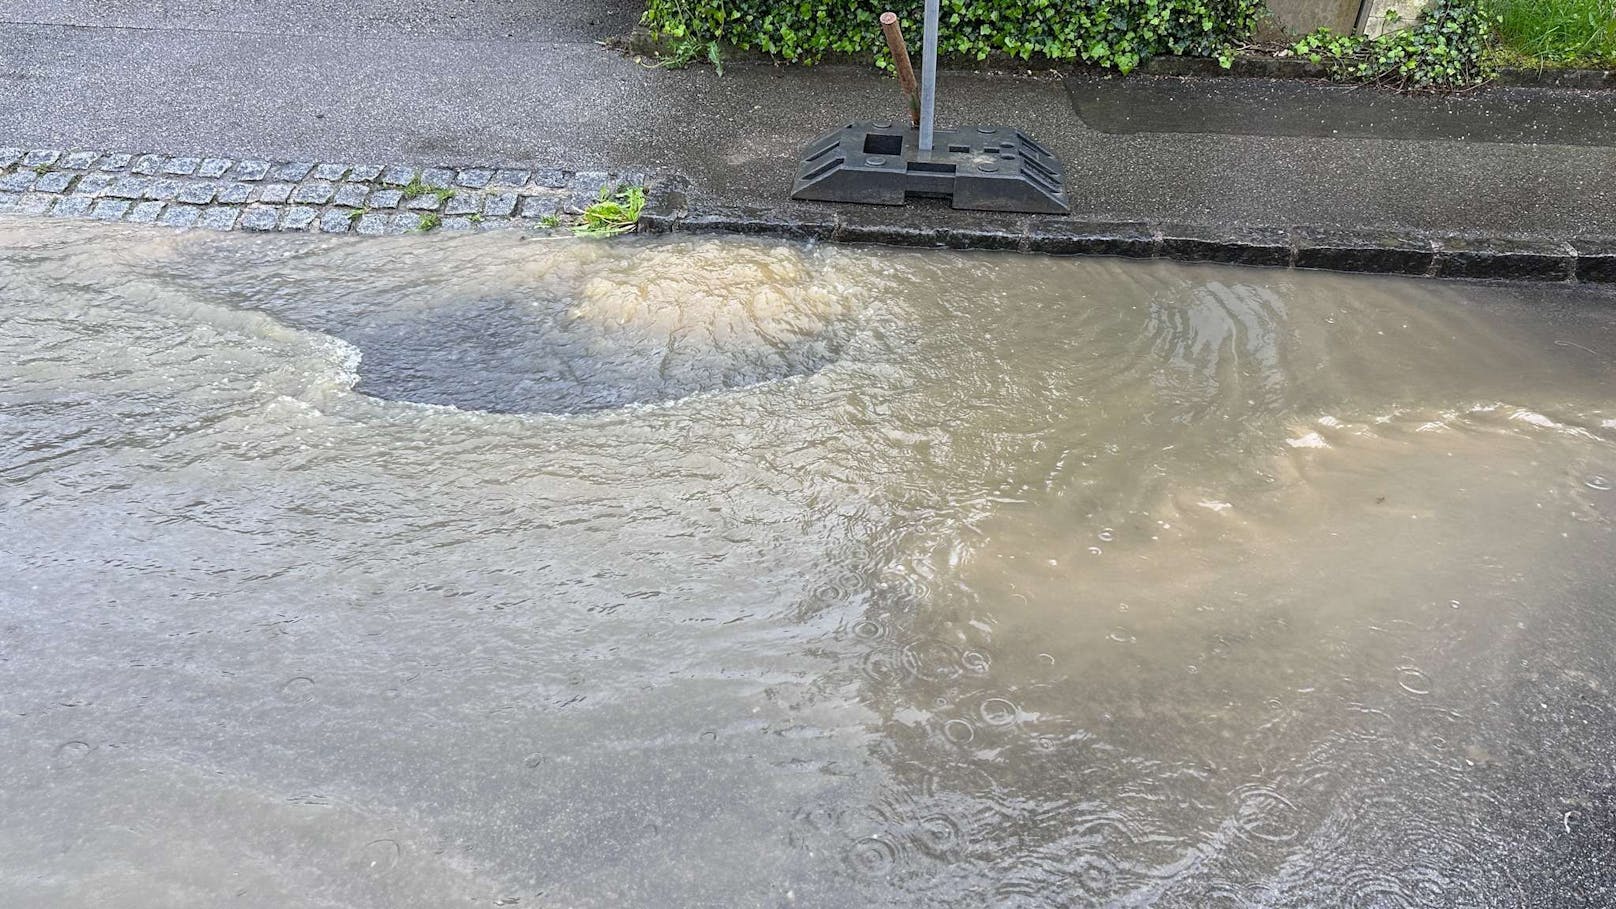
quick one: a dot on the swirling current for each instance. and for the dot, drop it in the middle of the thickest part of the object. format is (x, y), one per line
(488, 571)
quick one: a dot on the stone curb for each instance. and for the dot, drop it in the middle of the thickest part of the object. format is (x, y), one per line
(669, 210)
(219, 193)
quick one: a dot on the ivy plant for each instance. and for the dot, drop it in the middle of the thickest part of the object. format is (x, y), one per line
(1445, 49)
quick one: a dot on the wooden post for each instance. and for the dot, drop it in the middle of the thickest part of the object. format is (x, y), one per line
(900, 59)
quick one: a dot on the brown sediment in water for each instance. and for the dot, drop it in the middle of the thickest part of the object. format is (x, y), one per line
(932, 579)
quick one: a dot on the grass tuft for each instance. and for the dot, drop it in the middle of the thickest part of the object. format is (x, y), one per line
(1558, 31)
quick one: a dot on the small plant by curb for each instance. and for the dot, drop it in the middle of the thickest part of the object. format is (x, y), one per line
(429, 221)
(617, 211)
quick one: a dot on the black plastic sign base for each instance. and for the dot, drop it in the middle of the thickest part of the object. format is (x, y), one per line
(980, 168)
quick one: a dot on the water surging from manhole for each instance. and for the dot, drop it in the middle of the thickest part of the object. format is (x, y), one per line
(664, 322)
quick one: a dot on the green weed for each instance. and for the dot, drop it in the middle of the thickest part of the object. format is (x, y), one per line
(616, 212)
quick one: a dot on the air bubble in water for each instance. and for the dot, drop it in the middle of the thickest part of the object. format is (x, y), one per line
(1598, 482)
(379, 856)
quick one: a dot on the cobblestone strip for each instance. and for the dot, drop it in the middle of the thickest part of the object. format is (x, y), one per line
(319, 196)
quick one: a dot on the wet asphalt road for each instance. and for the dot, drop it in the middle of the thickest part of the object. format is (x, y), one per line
(514, 83)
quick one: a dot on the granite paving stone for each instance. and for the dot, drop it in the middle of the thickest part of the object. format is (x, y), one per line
(459, 224)
(299, 217)
(385, 198)
(294, 171)
(147, 165)
(274, 192)
(145, 213)
(403, 223)
(424, 202)
(372, 224)
(501, 205)
(550, 179)
(41, 156)
(260, 217)
(463, 204)
(351, 195)
(72, 206)
(438, 177)
(474, 177)
(55, 181)
(364, 173)
(540, 207)
(129, 188)
(218, 217)
(94, 184)
(251, 171)
(8, 201)
(585, 187)
(19, 181)
(181, 167)
(398, 176)
(512, 177)
(179, 216)
(114, 162)
(10, 156)
(315, 192)
(213, 167)
(35, 203)
(162, 188)
(110, 209)
(235, 193)
(79, 160)
(332, 172)
(336, 222)
(201, 193)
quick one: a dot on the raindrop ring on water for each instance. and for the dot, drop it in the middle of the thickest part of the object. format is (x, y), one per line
(872, 857)
(940, 835)
(869, 629)
(998, 712)
(959, 732)
(1413, 680)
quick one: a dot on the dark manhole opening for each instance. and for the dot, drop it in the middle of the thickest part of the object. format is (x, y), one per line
(514, 356)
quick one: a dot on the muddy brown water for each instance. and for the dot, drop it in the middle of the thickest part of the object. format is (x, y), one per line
(485, 571)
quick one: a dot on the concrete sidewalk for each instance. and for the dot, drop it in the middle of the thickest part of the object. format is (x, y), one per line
(513, 83)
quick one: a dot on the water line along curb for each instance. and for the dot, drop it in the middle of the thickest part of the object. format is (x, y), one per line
(669, 209)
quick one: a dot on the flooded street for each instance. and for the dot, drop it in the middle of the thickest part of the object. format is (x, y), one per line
(481, 571)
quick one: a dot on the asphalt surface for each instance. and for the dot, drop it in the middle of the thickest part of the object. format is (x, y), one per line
(515, 83)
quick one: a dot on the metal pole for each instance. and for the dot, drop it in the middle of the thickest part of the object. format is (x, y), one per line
(928, 75)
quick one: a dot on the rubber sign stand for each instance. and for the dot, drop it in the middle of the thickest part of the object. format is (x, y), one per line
(982, 168)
